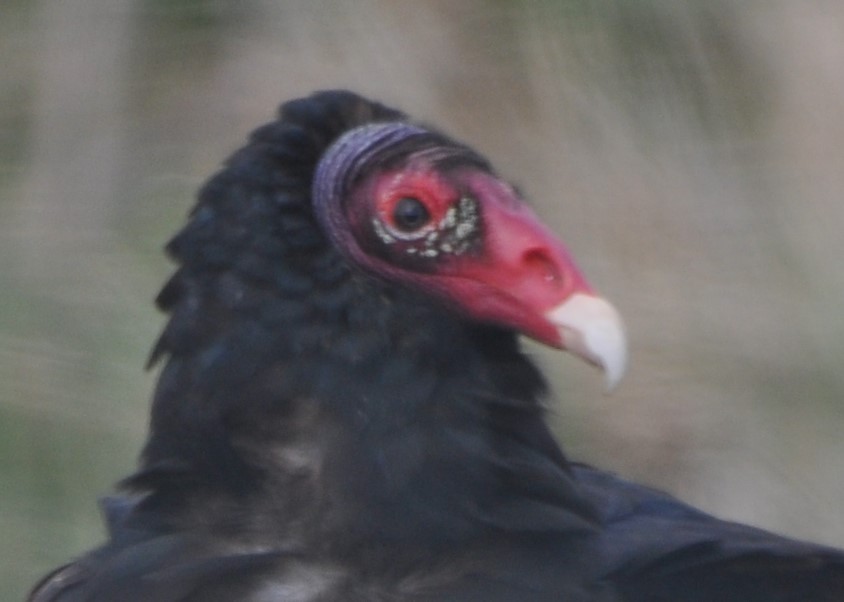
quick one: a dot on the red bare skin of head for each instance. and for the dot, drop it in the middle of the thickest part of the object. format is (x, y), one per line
(477, 246)
(514, 272)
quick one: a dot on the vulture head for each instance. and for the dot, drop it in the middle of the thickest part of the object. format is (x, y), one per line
(412, 207)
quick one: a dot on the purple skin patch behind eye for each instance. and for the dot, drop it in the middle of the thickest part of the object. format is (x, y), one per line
(349, 222)
(364, 148)
(343, 160)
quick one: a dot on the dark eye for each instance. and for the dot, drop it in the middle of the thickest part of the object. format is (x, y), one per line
(410, 214)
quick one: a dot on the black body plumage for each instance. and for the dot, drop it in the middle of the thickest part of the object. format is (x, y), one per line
(319, 433)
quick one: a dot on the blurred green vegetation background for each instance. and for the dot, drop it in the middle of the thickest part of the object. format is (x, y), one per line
(690, 152)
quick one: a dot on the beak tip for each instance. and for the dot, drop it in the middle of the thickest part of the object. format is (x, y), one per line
(613, 375)
(592, 329)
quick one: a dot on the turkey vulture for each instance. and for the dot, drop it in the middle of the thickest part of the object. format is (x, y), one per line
(345, 414)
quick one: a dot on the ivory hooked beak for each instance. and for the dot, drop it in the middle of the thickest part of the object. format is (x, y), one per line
(591, 328)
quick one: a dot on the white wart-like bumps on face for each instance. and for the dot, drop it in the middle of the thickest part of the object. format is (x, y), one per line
(454, 234)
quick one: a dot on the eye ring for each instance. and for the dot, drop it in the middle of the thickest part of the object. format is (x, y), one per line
(410, 215)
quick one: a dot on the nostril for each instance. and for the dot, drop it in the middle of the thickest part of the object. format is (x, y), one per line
(539, 262)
